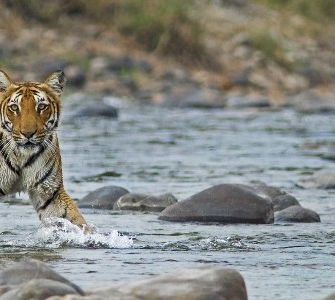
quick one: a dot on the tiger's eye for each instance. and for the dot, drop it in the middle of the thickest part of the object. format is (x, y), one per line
(41, 106)
(14, 107)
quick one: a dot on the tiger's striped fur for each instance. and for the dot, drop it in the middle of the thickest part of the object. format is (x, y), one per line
(30, 159)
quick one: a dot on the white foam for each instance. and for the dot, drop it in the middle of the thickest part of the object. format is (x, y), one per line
(56, 233)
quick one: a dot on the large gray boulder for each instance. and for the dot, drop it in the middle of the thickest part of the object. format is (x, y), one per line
(38, 289)
(103, 198)
(225, 203)
(297, 214)
(143, 202)
(28, 269)
(215, 283)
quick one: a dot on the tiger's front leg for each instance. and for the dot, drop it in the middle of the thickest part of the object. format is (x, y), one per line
(58, 205)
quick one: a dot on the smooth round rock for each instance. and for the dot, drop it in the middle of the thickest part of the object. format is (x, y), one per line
(99, 109)
(284, 201)
(38, 289)
(103, 198)
(279, 198)
(143, 202)
(225, 203)
(208, 282)
(25, 270)
(319, 180)
(297, 214)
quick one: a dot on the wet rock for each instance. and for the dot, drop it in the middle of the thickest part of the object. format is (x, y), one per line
(247, 102)
(330, 297)
(194, 97)
(25, 270)
(226, 203)
(297, 214)
(279, 198)
(98, 109)
(38, 289)
(143, 202)
(319, 180)
(284, 201)
(75, 76)
(310, 102)
(103, 198)
(215, 283)
(5, 288)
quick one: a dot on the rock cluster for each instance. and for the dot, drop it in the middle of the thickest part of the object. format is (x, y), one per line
(224, 203)
(32, 279)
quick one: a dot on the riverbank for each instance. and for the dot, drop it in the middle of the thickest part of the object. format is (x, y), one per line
(235, 49)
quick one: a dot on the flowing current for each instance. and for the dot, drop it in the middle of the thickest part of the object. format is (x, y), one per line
(157, 150)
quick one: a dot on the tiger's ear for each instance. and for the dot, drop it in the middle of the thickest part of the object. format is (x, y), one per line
(56, 81)
(5, 81)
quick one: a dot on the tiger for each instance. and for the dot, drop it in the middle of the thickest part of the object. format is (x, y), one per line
(30, 159)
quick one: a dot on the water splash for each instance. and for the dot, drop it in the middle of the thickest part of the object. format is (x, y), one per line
(209, 244)
(57, 233)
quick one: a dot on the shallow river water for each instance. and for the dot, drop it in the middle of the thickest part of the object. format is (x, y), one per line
(182, 151)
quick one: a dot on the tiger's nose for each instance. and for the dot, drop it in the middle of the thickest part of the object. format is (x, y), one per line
(28, 134)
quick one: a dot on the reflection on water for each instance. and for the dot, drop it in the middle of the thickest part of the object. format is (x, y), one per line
(158, 150)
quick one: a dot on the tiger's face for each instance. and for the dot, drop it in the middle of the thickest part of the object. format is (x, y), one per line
(30, 111)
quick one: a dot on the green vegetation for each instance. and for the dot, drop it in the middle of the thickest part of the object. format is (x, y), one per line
(162, 26)
(319, 10)
(271, 45)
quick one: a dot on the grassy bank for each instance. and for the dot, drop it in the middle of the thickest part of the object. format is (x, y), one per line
(318, 10)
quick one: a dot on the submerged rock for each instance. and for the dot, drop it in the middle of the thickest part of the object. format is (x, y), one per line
(143, 202)
(25, 270)
(215, 283)
(297, 214)
(319, 180)
(226, 203)
(103, 198)
(38, 289)
(98, 109)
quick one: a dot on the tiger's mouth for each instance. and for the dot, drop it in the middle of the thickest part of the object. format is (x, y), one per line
(28, 143)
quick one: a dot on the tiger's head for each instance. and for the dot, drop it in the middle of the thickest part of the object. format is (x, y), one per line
(30, 110)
